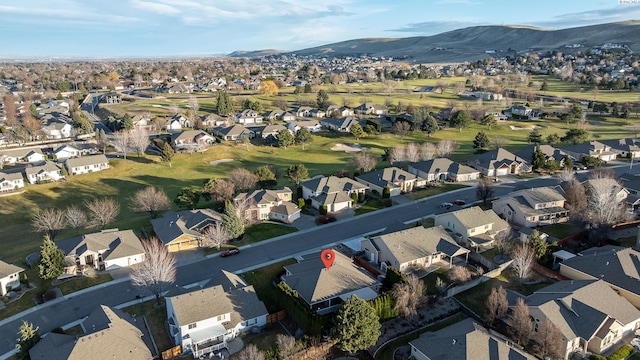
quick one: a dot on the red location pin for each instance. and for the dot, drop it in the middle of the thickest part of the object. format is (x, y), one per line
(327, 257)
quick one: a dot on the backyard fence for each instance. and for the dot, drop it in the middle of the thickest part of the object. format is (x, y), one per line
(274, 318)
(172, 353)
(479, 280)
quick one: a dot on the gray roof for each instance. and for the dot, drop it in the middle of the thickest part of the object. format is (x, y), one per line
(86, 160)
(387, 177)
(495, 158)
(47, 167)
(265, 196)
(440, 165)
(627, 144)
(527, 199)
(418, 242)
(315, 283)
(8, 269)
(10, 176)
(474, 216)
(20, 152)
(549, 152)
(117, 243)
(332, 184)
(190, 222)
(466, 340)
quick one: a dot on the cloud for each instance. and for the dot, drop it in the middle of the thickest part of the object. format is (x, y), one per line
(435, 27)
(597, 16)
(156, 7)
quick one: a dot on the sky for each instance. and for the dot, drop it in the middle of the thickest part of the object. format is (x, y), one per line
(156, 28)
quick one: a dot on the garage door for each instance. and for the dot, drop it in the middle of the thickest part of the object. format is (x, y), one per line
(503, 172)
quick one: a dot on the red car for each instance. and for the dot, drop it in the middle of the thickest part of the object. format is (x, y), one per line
(459, 202)
(230, 252)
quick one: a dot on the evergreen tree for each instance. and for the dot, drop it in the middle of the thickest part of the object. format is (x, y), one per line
(167, 153)
(460, 120)
(285, 138)
(29, 337)
(489, 120)
(223, 105)
(357, 131)
(51, 260)
(535, 137)
(322, 98)
(307, 88)
(568, 162)
(481, 141)
(538, 159)
(357, 325)
(545, 86)
(127, 122)
(430, 125)
(539, 246)
(297, 173)
(188, 198)
(303, 136)
(231, 221)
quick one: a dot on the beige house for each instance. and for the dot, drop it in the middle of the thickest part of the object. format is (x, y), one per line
(9, 277)
(11, 181)
(194, 140)
(533, 207)
(333, 192)
(183, 230)
(270, 204)
(472, 226)
(411, 249)
(443, 169)
(86, 164)
(43, 173)
(591, 316)
(499, 162)
(398, 180)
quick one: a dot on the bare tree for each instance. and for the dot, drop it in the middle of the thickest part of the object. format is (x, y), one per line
(565, 176)
(139, 140)
(242, 206)
(401, 128)
(498, 142)
(484, 189)
(605, 204)
(523, 259)
(76, 218)
(122, 141)
(219, 190)
(243, 179)
(549, 340)
(102, 211)
(396, 154)
(151, 200)
(503, 241)
(215, 235)
(409, 296)
(250, 352)
(576, 200)
(10, 110)
(520, 321)
(194, 105)
(412, 152)
(446, 147)
(157, 271)
(286, 345)
(428, 151)
(496, 305)
(50, 221)
(173, 109)
(459, 274)
(364, 161)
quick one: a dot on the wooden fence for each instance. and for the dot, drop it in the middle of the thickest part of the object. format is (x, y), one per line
(274, 318)
(172, 353)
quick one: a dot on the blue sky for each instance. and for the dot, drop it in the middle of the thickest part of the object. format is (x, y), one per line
(144, 28)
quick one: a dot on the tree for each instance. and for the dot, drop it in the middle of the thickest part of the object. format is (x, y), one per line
(401, 128)
(322, 99)
(459, 274)
(52, 262)
(188, 198)
(545, 86)
(102, 211)
(284, 138)
(215, 235)
(139, 140)
(520, 321)
(364, 161)
(75, 217)
(539, 246)
(223, 104)
(604, 205)
(430, 125)
(101, 140)
(265, 175)
(357, 131)
(576, 200)
(50, 221)
(481, 141)
(549, 340)
(167, 153)
(568, 162)
(484, 189)
(553, 139)
(151, 200)
(357, 325)
(250, 352)
(280, 104)
(297, 173)
(29, 337)
(489, 120)
(231, 221)
(409, 296)
(157, 271)
(503, 241)
(243, 179)
(127, 122)
(122, 141)
(446, 147)
(538, 160)
(218, 190)
(575, 136)
(460, 120)
(523, 258)
(535, 137)
(286, 345)
(428, 151)
(268, 88)
(496, 305)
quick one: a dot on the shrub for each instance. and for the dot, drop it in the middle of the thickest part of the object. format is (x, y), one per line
(621, 353)
(386, 192)
(387, 202)
(596, 357)
(323, 209)
(301, 203)
(354, 197)
(360, 197)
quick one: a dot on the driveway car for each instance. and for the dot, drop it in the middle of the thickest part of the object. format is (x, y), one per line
(230, 252)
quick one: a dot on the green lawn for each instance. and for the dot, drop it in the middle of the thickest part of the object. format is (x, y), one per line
(76, 284)
(262, 281)
(156, 318)
(372, 204)
(256, 233)
(430, 280)
(561, 231)
(434, 190)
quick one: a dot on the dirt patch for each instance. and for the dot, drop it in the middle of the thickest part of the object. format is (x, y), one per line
(349, 148)
(221, 161)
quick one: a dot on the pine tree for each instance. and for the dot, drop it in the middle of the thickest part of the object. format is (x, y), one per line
(303, 136)
(29, 337)
(127, 122)
(535, 137)
(357, 131)
(538, 159)
(358, 325)
(539, 246)
(231, 221)
(51, 260)
(167, 153)
(285, 138)
(481, 141)
(223, 105)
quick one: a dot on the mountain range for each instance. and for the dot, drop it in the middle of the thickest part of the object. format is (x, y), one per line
(473, 43)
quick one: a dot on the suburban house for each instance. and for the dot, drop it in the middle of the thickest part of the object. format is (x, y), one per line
(465, 340)
(412, 249)
(108, 334)
(9, 277)
(618, 267)
(631, 183)
(591, 316)
(333, 192)
(303, 111)
(86, 164)
(398, 180)
(312, 125)
(270, 133)
(443, 169)
(235, 132)
(472, 226)
(287, 116)
(43, 173)
(342, 124)
(533, 207)
(112, 98)
(11, 181)
(371, 109)
(193, 140)
(57, 130)
(105, 250)
(180, 119)
(628, 147)
(204, 320)
(594, 149)
(64, 152)
(214, 120)
(499, 162)
(317, 113)
(22, 155)
(519, 111)
(141, 121)
(273, 114)
(248, 117)
(173, 125)
(183, 230)
(270, 205)
(550, 153)
(324, 289)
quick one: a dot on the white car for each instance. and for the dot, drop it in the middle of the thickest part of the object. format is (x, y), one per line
(635, 342)
(446, 205)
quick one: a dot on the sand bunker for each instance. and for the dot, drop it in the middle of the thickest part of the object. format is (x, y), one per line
(222, 161)
(530, 127)
(348, 148)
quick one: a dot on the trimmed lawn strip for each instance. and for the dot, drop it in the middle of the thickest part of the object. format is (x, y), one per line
(256, 233)
(372, 204)
(561, 231)
(434, 190)
(386, 352)
(76, 284)
(430, 280)
(156, 318)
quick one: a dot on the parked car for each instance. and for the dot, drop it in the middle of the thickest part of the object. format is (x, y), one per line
(446, 205)
(579, 167)
(635, 342)
(230, 252)
(459, 202)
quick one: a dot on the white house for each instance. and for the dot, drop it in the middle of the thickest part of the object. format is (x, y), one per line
(43, 173)
(270, 204)
(66, 152)
(248, 117)
(11, 182)
(86, 164)
(58, 130)
(333, 192)
(9, 277)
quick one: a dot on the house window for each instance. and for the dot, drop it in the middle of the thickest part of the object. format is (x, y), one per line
(451, 225)
(193, 326)
(486, 227)
(220, 318)
(251, 322)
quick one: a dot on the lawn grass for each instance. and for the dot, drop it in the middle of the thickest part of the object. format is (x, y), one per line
(156, 317)
(634, 356)
(627, 242)
(430, 280)
(263, 231)
(386, 352)
(561, 231)
(372, 204)
(265, 339)
(262, 281)
(434, 190)
(84, 282)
